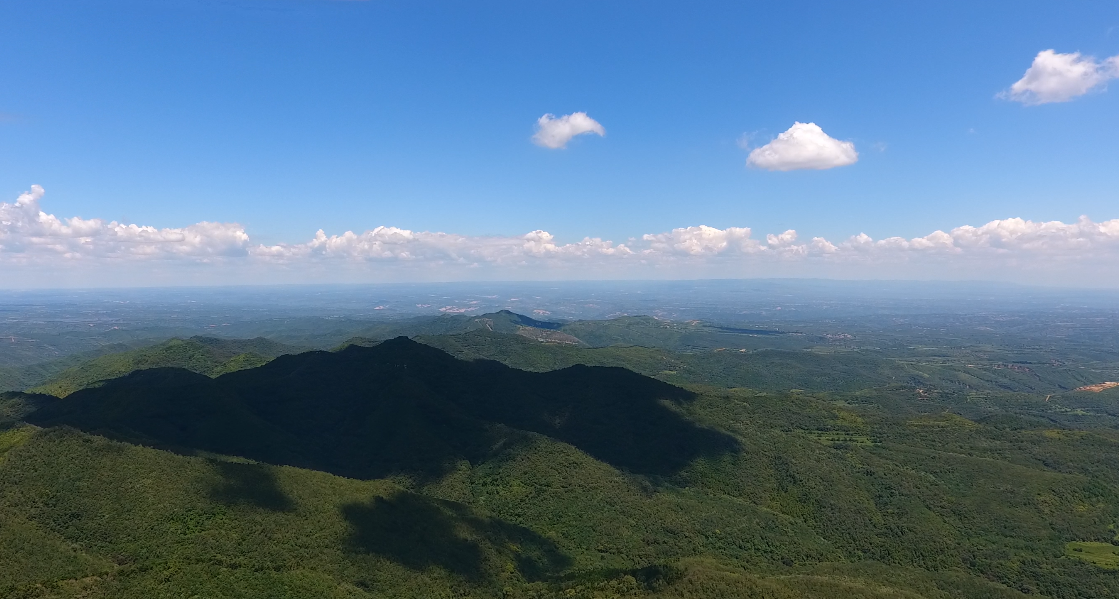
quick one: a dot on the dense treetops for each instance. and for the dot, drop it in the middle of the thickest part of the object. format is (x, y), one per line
(204, 355)
(513, 467)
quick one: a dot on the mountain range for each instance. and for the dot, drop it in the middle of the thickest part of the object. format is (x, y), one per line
(491, 463)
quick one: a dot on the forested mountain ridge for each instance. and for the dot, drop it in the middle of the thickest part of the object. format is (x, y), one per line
(400, 407)
(19, 378)
(399, 470)
(210, 356)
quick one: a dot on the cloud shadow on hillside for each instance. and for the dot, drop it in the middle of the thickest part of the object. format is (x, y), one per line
(420, 532)
(242, 483)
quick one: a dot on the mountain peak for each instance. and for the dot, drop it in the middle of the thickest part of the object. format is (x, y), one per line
(397, 407)
(506, 321)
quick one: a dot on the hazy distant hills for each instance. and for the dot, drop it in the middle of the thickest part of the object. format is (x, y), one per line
(768, 369)
(642, 331)
(503, 321)
(509, 332)
(681, 353)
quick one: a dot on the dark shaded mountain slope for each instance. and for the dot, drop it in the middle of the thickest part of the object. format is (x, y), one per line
(398, 407)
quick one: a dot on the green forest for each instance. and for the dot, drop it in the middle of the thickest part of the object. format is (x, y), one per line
(509, 457)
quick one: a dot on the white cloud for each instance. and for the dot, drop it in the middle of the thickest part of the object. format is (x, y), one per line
(803, 146)
(785, 239)
(820, 245)
(27, 234)
(998, 241)
(37, 246)
(701, 241)
(401, 245)
(1057, 77)
(553, 132)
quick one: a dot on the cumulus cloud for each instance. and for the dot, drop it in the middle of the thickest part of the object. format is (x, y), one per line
(554, 132)
(39, 242)
(404, 246)
(27, 233)
(701, 241)
(803, 146)
(1057, 77)
(1013, 238)
(783, 240)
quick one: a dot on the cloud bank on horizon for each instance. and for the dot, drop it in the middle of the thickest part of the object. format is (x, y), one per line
(1009, 249)
(1055, 77)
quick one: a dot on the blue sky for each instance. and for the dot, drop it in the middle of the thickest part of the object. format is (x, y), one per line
(289, 116)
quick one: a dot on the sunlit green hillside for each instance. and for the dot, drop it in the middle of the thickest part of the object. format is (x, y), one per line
(148, 523)
(205, 355)
(18, 378)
